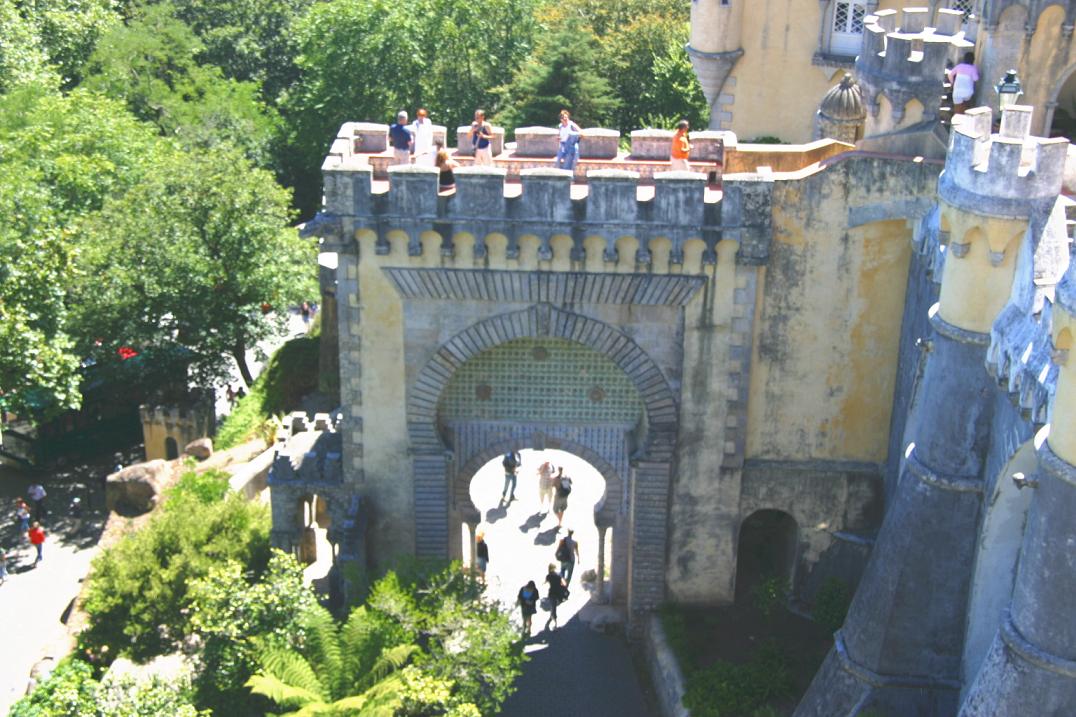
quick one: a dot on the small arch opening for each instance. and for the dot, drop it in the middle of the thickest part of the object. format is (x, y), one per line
(171, 449)
(766, 549)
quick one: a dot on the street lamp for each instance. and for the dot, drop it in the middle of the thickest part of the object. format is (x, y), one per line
(1009, 90)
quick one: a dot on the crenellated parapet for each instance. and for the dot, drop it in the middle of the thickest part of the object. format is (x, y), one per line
(1008, 174)
(616, 220)
(905, 63)
(996, 195)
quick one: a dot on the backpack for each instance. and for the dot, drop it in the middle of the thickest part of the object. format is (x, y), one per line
(564, 486)
(564, 553)
(509, 461)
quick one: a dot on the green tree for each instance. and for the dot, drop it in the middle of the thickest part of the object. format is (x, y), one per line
(189, 256)
(62, 155)
(138, 591)
(70, 29)
(236, 616)
(468, 50)
(22, 56)
(358, 59)
(563, 73)
(605, 17)
(250, 41)
(152, 64)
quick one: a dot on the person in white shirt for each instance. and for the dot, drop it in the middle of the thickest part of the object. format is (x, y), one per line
(963, 78)
(422, 131)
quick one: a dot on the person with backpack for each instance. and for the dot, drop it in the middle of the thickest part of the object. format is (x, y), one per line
(511, 463)
(567, 554)
(528, 605)
(563, 486)
(558, 593)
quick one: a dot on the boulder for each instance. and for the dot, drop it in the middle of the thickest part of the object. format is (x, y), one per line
(136, 489)
(200, 448)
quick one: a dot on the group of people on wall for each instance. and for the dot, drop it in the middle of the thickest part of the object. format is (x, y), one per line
(414, 143)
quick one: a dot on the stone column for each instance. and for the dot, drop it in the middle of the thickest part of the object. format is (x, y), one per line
(1031, 666)
(900, 646)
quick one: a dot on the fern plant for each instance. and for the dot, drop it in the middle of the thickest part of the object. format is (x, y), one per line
(353, 669)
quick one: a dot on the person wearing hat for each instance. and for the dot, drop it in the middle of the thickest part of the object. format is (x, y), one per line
(422, 132)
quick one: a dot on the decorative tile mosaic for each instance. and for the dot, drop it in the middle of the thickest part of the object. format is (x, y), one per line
(548, 380)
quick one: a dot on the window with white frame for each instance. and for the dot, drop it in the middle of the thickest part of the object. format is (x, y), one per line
(846, 28)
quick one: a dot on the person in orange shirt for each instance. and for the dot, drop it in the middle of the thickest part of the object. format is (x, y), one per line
(681, 148)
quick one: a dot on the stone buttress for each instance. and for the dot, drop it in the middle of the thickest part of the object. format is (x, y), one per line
(900, 647)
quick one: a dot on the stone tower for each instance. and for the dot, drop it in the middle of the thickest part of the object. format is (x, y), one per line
(841, 114)
(901, 70)
(714, 48)
(900, 647)
(1031, 665)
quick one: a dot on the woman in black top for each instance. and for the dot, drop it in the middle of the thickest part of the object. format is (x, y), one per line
(446, 180)
(558, 593)
(528, 605)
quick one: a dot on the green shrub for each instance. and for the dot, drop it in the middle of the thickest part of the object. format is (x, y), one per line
(831, 604)
(208, 487)
(235, 616)
(290, 374)
(770, 595)
(137, 591)
(726, 689)
(71, 690)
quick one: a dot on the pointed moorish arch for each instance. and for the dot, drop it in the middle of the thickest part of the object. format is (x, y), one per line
(647, 488)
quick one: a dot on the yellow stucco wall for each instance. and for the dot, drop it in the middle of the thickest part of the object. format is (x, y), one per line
(976, 286)
(1063, 424)
(825, 351)
(775, 88)
(384, 431)
(704, 511)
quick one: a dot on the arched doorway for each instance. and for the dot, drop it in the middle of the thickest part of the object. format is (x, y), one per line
(542, 393)
(544, 377)
(522, 535)
(171, 449)
(767, 548)
(1062, 107)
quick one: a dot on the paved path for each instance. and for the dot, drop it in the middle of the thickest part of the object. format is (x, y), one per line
(34, 601)
(588, 673)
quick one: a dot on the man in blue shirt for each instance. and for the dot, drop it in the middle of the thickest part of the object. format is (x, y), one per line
(401, 139)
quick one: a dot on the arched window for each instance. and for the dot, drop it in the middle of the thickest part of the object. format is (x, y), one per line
(846, 27)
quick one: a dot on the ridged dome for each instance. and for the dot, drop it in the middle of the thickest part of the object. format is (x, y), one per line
(844, 103)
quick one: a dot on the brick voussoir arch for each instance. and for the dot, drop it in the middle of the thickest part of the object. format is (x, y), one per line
(542, 321)
(431, 462)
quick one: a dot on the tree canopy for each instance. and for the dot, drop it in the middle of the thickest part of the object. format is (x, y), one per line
(262, 83)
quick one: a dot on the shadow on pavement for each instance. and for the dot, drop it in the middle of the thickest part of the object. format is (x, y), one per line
(532, 522)
(547, 537)
(574, 671)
